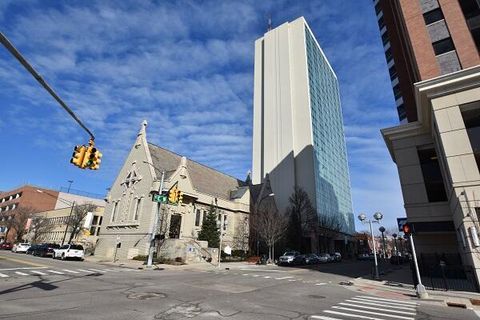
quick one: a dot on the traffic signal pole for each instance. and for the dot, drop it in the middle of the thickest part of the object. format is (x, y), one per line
(9, 46)
(155, 225)
(420, 289)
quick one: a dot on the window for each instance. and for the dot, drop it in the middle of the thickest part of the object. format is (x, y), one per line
(388, 54)
(393, 72)
(197, 218)
(433, 16)
(471, 118)
(114, 210)
(471, 11)
(432, 175)
(443, 46)
(381, 23)
(396, 91)
(98, 231)
(225, 223)
(385, 38)
(378, 8)
(137, 209)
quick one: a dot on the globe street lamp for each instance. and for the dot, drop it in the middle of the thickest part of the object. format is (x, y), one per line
(395, 241)
(363, 218)
(382, 230)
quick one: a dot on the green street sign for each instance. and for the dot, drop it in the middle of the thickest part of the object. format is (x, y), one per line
(162, 198)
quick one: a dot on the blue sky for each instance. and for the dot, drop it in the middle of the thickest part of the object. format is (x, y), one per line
(186, 67)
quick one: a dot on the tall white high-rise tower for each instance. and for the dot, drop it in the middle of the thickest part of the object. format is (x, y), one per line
(298, 137)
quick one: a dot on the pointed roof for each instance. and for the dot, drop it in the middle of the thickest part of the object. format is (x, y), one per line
(204, 179)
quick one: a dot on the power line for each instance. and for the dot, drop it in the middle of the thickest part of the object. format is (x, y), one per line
(23, 61)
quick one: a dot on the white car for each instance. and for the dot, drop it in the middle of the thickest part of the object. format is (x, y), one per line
(69, 251)
(21, 247)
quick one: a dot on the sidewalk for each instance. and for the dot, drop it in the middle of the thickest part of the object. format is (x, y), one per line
(398, 280)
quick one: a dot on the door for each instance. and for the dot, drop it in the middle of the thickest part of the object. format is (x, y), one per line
(175, 224)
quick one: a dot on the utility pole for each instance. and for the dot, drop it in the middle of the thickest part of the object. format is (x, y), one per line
(155, 225)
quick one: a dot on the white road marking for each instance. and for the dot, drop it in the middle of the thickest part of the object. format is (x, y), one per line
(82, 270)
(244, 274)
(256, 275)
(356, 316)
(3, 275)
(292, 280)
(96, 270)
(389, 300)
(320, 284)
(70, 271)
(376, 308)
(21, 273)
(374, 313)
(262, 270)
(38, 272)
(25, 268)
(324, 318)
(267, 277)
(111, 270)
(56, 272)
(283, 278)
(371, 303)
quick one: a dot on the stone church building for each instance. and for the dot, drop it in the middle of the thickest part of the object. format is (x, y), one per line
(130, 211)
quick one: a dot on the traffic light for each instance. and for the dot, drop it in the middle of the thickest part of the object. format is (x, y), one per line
(173, 195)
(78, 155)
(95, 158)
(179, 197)
(88, 158)
(407, 229)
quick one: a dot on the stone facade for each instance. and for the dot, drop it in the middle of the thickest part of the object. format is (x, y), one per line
(130, 211)
(444, 212)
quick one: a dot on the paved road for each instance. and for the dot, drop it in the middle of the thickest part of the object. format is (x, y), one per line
(39, 288)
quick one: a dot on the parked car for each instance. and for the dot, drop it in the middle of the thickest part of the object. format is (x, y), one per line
(69, 251)
(363, 256)
(324, 257)
(45, 249)
(287, 258)
(312, 258)
(337, 257)
(21, 247)
(6, 246)
(32, 249)
(300, 260)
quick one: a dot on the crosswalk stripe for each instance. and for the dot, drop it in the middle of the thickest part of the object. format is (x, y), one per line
(376, 308)
(389, 300)
(374, 313)
(320, 284)
(82, 270)
(38, 272)
(96, 270)
(56, 272)
(267, 277)
(324, 318)
(21, 273)
(371, 303)
(384, 303)
(3, 275)
(112, 270)
(256, 275)
(292, 280)
(283, 278)
(356, 316)
(70, 271)
(244, 274)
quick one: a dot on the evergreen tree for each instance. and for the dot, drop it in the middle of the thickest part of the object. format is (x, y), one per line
(210, 231)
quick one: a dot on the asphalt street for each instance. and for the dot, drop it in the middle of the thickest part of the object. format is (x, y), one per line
(43, 288)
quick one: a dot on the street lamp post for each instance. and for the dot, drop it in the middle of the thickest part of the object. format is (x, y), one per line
(256, 216)
(363, 218)
(395, 242)
(382, 230)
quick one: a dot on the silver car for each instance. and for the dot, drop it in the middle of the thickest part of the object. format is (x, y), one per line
(288, 257)
(21, 247)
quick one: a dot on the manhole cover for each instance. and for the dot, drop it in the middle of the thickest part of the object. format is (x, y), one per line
(314, 296)
(145, 295)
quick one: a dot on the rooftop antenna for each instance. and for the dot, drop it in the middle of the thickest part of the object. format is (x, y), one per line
(269, 19)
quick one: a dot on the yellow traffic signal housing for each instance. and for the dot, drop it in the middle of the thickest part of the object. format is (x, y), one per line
(179, 196)
(172, 194)
(78, 155)
(87, 159)
(95, 158)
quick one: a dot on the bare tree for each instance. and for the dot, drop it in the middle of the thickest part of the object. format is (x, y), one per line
(303, 220)
(39, 227)
(19, 219)
(7, 221)
(271, 227)
(77, 218)
(242, 236)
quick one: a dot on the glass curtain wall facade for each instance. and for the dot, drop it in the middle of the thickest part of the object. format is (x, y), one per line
(332, 181)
